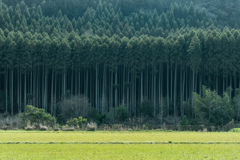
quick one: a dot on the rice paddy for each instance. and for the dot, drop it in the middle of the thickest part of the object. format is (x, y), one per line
(119, 145)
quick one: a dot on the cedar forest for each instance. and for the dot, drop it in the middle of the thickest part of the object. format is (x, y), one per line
(155, 58)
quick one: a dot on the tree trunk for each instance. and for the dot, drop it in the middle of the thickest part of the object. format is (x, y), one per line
(18, 91)
(34, 87)
(223, 85)
(175, 93)
(128, 90)
(231, 87)
(75, 82)
(55, 95)
(160, 92)
(96, 88)
(104, 100)
(45, 92)
(64, 84)
(192, 91)
(200, 85)
(79, 82)
(171, 89)
(154, 92)
(111, 89)
(141, 87)
(184, 77)
(116, 89)
(71, 85)
(37, 89)
(181, 92)
(87, 83)
(31, 85)
(52, 80)
(147, 84)
(123, 87)
(168, 89)
(6, 87)
(25, 92)
(11, 96)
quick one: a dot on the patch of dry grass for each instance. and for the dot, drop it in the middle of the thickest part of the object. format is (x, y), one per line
(10, 122)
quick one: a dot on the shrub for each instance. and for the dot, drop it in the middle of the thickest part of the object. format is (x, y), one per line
(61, 119)
(77, 122)
(235, 130)
(146, 109)
(99, 118)
(37, 116)
(122, 114)
(81, 121)
(84, 120)
(72, 122)
(220, 117)
(184, 121)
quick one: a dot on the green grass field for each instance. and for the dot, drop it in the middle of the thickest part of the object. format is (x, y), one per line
(105, 136)
(58, 145)
(121, 151)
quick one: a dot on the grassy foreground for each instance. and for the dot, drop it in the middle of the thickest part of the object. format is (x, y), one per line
(102, 136)
(117, 152)
(31, 145)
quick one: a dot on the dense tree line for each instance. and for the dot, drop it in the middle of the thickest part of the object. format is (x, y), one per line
(115, 60)
(39, 69)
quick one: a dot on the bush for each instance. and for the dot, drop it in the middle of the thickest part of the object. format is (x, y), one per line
(235, 130)
(76, 122)
(61, 119)
(122, 114)
(99, 118)
(72, 122)
(220, 117)
(81, 121)
(37, 116)
(146, 109)
(184, 121)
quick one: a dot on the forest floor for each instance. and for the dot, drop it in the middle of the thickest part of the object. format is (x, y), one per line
(118, 145)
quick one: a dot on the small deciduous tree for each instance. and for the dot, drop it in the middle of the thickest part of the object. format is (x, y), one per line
(214, 108)
(74, 107)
